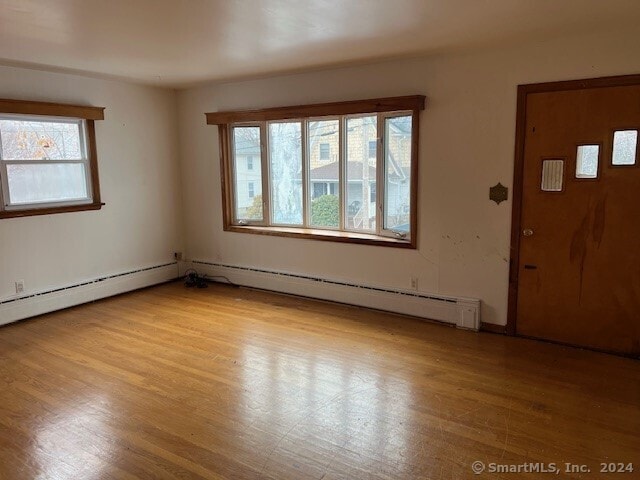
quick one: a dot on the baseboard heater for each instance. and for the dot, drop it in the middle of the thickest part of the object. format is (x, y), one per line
(459, 311)
(30, 305)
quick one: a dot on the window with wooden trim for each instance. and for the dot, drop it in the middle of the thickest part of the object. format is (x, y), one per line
(365, 193)
(48, 161)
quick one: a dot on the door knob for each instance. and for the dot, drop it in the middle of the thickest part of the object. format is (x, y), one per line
(527, 232)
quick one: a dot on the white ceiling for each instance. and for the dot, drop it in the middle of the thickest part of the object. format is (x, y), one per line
(176, 43)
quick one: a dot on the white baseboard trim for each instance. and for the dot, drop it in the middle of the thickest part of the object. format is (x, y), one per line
(19, 308)
(459, 311)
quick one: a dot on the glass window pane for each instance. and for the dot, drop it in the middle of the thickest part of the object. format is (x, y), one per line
(625, 143)
(324, 177)
(373, 148)
(285, 163)
(325, 151)
(38, 140)
(397, 179)
(361, 173)
(552, 175)
(587, 161)
(38, 183)
(248, 173)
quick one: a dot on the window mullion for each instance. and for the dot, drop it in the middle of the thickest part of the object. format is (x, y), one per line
(82, 128)
(88, 180)
(4, 189)
(230, 165)
(306, 202)
(342, 183)
(86, 151)
(4, 186)
(266, 174)
(380, 166)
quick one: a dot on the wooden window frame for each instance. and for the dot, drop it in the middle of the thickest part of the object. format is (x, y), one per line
(382, 107)
(87, 115)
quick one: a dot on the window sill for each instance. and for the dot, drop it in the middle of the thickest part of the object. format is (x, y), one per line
(324, 235)
(49, 210)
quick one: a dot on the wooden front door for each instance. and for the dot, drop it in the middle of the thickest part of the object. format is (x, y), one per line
(577, 276)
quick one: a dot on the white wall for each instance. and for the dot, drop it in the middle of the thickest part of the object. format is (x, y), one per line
(466, 146)
(467, 136)
(140, 224)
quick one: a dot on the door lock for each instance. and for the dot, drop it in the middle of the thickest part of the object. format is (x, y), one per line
(527, 232)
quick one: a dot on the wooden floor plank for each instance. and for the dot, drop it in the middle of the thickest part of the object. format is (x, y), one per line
(169, 382)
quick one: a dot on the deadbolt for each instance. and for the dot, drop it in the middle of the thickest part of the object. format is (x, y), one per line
(527, 232)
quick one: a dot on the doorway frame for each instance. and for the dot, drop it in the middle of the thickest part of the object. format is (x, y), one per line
(518, 170)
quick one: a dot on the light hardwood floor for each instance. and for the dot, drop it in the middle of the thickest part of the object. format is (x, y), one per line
(231, 383)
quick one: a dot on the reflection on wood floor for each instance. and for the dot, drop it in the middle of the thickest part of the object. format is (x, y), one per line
(233, 383)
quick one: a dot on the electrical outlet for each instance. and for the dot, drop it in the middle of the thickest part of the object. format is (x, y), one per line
(177, 255)
(414, 283)
(19, 286)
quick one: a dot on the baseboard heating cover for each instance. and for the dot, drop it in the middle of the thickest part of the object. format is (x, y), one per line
(459, 311)
(18, 308)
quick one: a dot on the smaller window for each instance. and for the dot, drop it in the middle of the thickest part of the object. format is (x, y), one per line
(325, 151)
(252, 191)
(248, 209)
(587, 161)
(47, 158)
(373, 148)
(552, 175)
(250, 163)
(625, 144)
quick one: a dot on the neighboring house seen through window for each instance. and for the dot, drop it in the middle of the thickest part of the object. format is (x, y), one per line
(325, 151)
(373, 148)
